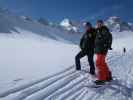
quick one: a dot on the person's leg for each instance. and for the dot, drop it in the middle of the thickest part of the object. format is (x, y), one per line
(91, 63)
(77, 59)
(110, 76)
(107, 70)
(102, 67)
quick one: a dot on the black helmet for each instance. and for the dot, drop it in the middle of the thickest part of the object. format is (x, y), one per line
(100, 21)
(87, 24)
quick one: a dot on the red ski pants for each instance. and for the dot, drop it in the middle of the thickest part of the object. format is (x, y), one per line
(102, 67)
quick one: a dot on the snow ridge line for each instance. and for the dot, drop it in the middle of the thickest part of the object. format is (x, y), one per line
(71, 91)
(82, 95)
(40, 86)
(52, 88)
(29, 84)
(66, 88)
(76, 94)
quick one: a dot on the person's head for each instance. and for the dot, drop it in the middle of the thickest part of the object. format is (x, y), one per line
(99, 23)
(88, 25)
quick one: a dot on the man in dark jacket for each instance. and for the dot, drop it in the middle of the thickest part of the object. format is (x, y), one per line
(87, 48)
(103, 43)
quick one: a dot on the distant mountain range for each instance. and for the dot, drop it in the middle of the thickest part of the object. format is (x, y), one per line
(69, 30)
(117, 24)
(11, 23)
(114, 23)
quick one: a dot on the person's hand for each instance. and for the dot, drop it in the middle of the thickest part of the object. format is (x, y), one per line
(110, 48)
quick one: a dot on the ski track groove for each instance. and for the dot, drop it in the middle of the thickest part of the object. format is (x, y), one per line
(52, 88)
(86, 96)
(75, 95)
(66, 88)
(38, 87)
(29, 84)
(70, 92)
(82, 95)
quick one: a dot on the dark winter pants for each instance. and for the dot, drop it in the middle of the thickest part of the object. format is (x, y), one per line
(90, 60)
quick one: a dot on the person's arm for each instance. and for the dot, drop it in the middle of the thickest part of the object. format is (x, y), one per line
(94, 34)
(81, 42)
(107, 38)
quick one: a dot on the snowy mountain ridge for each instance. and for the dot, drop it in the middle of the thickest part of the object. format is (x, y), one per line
(9, 23)
(114, 23)
(67, 30)
(71, 25)
(118, 25)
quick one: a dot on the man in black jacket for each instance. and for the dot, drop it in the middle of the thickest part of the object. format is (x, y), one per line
(87, 45)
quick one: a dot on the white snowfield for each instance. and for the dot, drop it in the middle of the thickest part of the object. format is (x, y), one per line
(36, 68)
(37, 63)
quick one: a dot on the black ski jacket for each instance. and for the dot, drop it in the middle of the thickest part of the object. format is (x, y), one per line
(103, 40)
(87, 42)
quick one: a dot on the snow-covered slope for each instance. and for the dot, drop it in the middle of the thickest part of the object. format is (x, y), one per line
(11, 23)
(35, 66)
(70, 85)
(28, 56)
(38, 68)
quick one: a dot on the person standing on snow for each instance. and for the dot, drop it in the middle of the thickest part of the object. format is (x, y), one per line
(87, 48)
(124, 50)
(103, 43)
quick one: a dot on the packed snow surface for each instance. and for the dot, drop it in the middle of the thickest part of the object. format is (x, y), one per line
(36, 68)
(37, 63)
